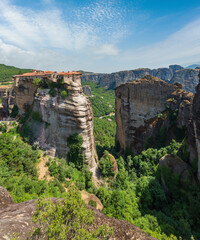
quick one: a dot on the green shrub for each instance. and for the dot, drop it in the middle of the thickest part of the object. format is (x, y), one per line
(69, 219)
(92, 203)
(105, 165)
(63, 94)
(74, 142)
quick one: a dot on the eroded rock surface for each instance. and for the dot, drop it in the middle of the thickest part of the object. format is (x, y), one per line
(187, 77)
(193, 137)
(112, 80)
(175, 166)
(60, 118)
(7, 97)
(143, 107)
(87, 90)
(16, 218)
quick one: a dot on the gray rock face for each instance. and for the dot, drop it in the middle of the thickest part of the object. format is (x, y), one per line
(7, 97)
(175, 73)
(175, 68)
(115, 79)
(193, 138)
(16, 218)
(5, 198)
(138, 105)
(187, 77)
(176, 166)
(87, 90)
(60, 117)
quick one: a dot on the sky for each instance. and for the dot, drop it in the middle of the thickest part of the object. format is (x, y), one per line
(99, 35)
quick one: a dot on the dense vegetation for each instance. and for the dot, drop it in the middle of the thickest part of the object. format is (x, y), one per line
(19, 175)
(103, 100)
(69, 219)
(6, 73)
(136, 194)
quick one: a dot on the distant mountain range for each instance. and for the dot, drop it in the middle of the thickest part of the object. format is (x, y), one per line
(193, 66)
(175, 73)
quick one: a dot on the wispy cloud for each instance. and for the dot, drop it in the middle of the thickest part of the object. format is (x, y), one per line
(180, 47)
(88, 38)
(26, 31)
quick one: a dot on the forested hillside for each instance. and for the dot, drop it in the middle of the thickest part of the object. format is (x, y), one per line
(132, 186)
(6, 73)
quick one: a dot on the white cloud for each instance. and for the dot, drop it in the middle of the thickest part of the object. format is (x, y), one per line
(86, 39)
(107, 49)
(181, 47)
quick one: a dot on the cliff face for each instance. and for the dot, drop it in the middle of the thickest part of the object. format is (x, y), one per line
(7, 97)
(115, 79)
(143, 107)
(54, 118)
(187, 77)
(193, 137)
(24, 90)
(175, 73)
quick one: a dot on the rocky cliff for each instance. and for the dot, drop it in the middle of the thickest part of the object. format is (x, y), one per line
(115, 79)
(145, 106)
(193, 136)
(187, 77)
(175, 73)
(16, 218)
(53, 117)
(7, 97)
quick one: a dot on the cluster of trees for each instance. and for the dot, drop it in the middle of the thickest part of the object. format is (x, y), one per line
(6, 73)
(136, 195)
(103, 100)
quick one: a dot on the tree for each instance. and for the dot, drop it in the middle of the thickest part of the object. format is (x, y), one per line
(67, 219)
(74, 142)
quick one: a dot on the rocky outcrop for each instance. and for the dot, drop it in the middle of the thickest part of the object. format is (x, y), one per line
(25, 92)
(193, 137)
(7, 97)
(55, 112)
(146, 105)
(175, 73)
(87, 90)
(16, 218)
(58, 118)
(169, 164)
(5, 198)
(116, 79)
(187, 77)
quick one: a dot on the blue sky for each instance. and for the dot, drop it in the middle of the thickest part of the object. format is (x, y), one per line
(99, 36)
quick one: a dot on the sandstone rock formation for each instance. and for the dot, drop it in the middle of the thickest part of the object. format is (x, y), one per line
(193, 137)
(176, 166)
(16, 218)
(187, 77)
(87, 90)
(57, 116)
(5, 198)
(138, 105)
(7, 97)
(24, 91)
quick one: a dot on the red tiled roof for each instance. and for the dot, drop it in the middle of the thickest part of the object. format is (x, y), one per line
(69, 73)
(43, 73)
